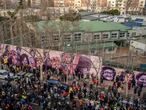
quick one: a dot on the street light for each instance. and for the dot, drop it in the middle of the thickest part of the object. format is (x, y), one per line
(11, 31)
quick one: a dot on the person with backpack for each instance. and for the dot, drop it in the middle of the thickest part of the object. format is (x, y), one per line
(102, 96)
(29, 107)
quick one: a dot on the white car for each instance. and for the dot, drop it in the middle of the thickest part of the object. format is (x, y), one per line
(4, 74)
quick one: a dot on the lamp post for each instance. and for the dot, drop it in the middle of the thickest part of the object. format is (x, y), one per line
(41, 71)
(11, 31)
(126, 85)
(42, 46)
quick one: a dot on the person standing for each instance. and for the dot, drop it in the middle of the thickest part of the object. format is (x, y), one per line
(140, 89)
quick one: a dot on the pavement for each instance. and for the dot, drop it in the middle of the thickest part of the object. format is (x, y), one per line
(122, 55)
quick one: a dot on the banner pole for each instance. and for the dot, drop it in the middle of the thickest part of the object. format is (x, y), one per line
(41, 72)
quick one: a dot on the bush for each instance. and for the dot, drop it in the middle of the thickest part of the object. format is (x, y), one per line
(112, 12)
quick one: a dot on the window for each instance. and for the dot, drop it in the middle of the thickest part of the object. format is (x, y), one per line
(96, 37)
(43, 38)
(122, 34)
(133, 34)
(128, 34)
(67, 38)
(111, 49)
(105, 36)
(77, 37)
(56, 37)
(114, 35)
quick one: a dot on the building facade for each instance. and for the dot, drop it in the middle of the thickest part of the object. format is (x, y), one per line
(124, 6)
(138, 46)
(85, 36)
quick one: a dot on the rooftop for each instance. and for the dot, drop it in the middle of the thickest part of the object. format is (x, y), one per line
(97, 26)
(87, 26)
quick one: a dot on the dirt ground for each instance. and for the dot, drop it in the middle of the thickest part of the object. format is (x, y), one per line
(124, 56)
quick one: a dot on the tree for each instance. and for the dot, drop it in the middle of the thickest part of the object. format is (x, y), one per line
(3, 18)
(71, 16)
(13, 14)
(29, 3)
(112, 12)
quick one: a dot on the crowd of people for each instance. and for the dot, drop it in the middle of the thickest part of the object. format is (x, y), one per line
(83, 93)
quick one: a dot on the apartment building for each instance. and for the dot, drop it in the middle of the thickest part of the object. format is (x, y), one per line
(69, 3)
(33, 3)
(127, 6)
(101, 5)
(136, 6)
(58, 3)
(124, 6)
(85, 4)
(77, 4)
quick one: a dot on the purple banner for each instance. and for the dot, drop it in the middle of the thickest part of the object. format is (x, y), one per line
(141, 79)
(108, 73)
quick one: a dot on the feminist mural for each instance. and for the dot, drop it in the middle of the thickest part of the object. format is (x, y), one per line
(18, 56)
(141, 79)
(66, 62)
(108, 73)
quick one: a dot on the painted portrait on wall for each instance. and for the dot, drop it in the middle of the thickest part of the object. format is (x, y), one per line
(32, 58)
(24, 60)
(7, 51)
(108, 73)
(18, 54)
(47, 61)
(84, 65)
(141, 79)
(69, 62)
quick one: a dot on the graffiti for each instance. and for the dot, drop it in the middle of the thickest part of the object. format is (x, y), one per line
(108, 73)
(141, 79)
(66, 62)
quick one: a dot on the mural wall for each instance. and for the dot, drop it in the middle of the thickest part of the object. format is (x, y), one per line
(67, 62)
(141, 79)
(109, 74)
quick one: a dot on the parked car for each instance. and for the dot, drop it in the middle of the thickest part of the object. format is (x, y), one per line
(62, 86)
(53, 82)
(5, 75)
(29, 75)
(21, 74)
